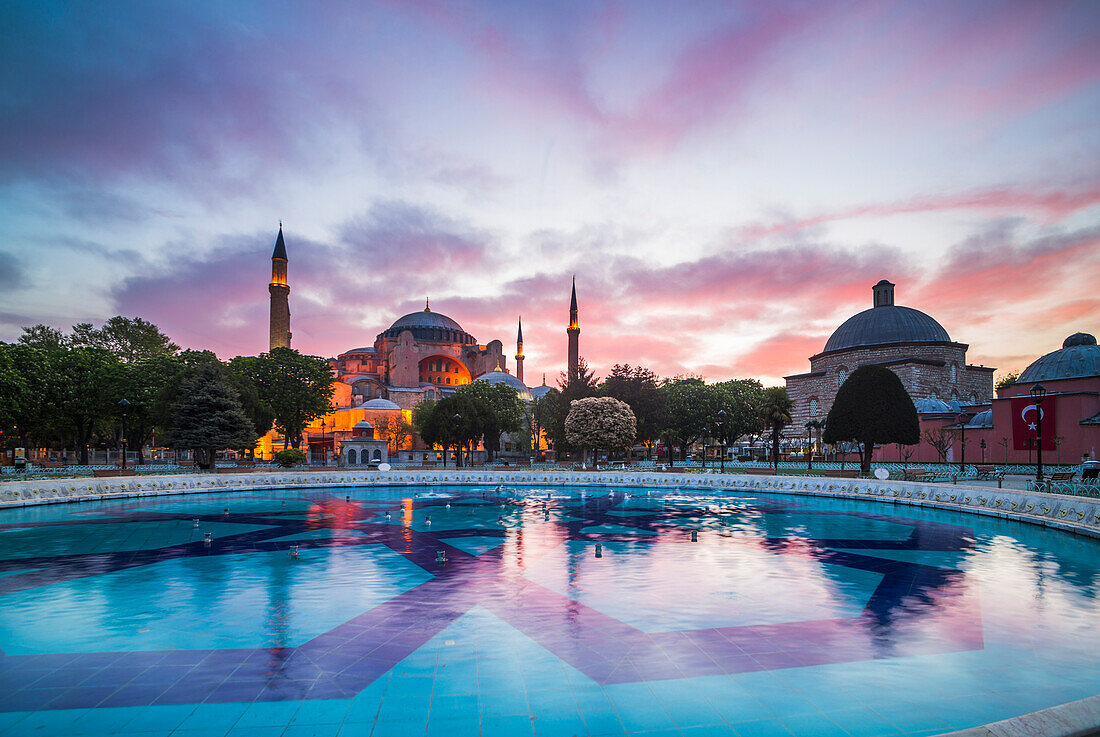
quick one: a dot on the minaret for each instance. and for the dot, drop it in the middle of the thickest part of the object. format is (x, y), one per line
(519, 350)
(574, 332)
(280, 293)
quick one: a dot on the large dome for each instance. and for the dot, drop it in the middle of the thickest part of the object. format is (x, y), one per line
(497, 376)
(1079, 358)
(428, 325)
(887, 324)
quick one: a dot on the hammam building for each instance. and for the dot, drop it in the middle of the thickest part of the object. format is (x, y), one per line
(908, 342)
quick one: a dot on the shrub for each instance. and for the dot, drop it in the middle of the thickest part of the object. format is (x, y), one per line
(290, 457)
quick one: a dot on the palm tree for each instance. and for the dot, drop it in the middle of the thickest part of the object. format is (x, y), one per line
(775, 412)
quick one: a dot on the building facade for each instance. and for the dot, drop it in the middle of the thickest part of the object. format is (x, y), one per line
(908, 342)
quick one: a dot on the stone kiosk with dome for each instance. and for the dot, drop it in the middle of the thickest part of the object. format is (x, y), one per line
(908, 342)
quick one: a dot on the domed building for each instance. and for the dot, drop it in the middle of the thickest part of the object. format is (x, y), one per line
(909, 342)
(1070, 407)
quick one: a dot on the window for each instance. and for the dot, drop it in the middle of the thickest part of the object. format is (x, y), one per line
(448, 379)
(813, 406)
(841, 375)
(954, 373)
(954, 396)
(351, 457)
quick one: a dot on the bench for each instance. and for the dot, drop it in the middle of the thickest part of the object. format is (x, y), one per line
(917, 474)
(990, 473)
(836, 473)
(759, 471)
(1061, 476)
(102, 473)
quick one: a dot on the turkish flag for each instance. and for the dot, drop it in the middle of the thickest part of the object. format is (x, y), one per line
(1025, 419)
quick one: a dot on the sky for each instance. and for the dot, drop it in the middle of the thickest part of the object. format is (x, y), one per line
(726, 180)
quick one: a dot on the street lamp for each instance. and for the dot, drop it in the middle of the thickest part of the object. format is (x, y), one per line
(123, 406)
(722, 437)
(458, 448)
(324, 450)
(810, 443)
(1038, 394)
(962, 443)
(982, 444)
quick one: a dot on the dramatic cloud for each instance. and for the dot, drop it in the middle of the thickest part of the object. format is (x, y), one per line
(725, 180)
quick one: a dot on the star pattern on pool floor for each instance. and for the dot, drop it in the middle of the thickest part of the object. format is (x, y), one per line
(344, 660)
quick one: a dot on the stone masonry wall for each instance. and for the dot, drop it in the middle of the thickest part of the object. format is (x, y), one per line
(920, 379)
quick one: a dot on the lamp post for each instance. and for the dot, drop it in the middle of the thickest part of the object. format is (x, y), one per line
(722, 438)
(810, 443)
(1038, 394)
(962, 443)
(324, 450)
(982, 444)
(123, 406)
(458, 448)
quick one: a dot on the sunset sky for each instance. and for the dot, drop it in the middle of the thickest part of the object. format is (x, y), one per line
(726, 180)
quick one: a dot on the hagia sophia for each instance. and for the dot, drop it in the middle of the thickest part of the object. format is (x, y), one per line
(427, 355)
(422, 355)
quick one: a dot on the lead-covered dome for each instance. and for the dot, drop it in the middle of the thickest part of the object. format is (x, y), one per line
(886, 323)
(378, 403)
(496, 376)
(1078, 358)
(428, 325)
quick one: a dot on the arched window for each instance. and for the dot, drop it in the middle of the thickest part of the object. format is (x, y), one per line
(954, 396)
(813, 407)
(377, 455)
(351, 457)
(954, 373)
(841, 375)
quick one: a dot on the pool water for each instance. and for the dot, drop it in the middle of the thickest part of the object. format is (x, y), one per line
(534, 611)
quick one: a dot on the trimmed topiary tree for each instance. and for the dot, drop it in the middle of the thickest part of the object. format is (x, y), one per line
(600, 422)
(872, 407)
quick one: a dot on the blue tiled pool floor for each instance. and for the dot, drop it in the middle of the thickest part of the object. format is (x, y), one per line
(782, 617)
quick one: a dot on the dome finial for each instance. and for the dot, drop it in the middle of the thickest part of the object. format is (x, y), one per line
(427, 305)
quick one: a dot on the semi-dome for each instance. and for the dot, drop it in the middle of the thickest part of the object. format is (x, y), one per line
(428, 325)
(886, 323)
(379, 403)
(538, 392)
(497, 376)
(1078, 358)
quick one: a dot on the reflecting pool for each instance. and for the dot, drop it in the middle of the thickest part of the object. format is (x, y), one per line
(536, 611)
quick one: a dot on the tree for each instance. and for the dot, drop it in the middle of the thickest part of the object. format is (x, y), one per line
(504, 411)
(43, 337)
(740, 398)
(872, 406)
(297, 388)
(775, 414)
(545, 412)
(1008, 379)
(209, 417)
(600, 422)
(940, 440)
(637, 386)
(691, 408)
(455, 422)
(394, 429)
(130, 339)
(88, 381)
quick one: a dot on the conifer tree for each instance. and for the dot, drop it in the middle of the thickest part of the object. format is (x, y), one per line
(209, 417)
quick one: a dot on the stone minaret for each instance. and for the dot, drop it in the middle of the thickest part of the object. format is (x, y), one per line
(519, 350)
(574, 332)
(280, 294)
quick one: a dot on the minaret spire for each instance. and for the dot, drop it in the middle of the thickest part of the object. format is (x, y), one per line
(279, 320)
(519, 350)
(574, 333)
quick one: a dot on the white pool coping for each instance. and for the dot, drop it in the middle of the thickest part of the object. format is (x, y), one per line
(1075, 719)
(1078, 515)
